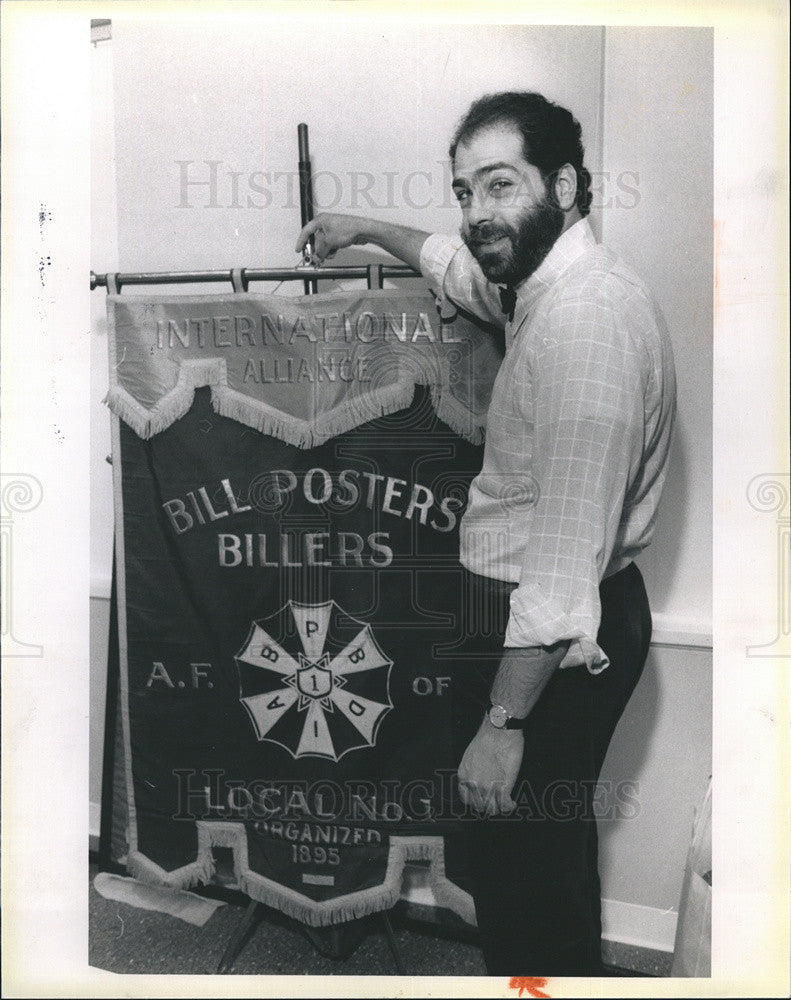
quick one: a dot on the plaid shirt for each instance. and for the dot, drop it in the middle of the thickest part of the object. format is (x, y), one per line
(577, 438)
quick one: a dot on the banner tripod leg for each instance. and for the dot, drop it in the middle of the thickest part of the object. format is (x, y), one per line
(393, 943)
(108, 800)
(239, 936)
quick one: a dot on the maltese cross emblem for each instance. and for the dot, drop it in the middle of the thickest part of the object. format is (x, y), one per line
(314, 681)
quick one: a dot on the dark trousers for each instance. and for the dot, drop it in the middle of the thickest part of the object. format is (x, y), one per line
(535, 873)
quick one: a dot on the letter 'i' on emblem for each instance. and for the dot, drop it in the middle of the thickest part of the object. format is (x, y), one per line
(311, 684)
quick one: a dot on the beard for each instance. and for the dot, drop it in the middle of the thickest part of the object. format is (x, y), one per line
(509, 254)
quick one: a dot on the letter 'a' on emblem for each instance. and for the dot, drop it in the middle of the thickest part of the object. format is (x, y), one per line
(314, 680)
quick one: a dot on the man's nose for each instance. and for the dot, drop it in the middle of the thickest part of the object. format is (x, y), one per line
(479, 209)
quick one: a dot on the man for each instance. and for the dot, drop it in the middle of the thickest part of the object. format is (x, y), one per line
(576, 450)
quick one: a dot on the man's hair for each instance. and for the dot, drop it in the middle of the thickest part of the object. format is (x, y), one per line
(551, 135)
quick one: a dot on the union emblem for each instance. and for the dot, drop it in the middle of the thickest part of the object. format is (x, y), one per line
(314, 680)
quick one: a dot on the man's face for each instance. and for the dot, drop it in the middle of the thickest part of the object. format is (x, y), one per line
(508, 221)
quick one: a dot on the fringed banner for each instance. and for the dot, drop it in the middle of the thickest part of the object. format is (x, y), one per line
(289, 478)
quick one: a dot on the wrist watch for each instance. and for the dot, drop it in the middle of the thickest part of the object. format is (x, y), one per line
(500, 718)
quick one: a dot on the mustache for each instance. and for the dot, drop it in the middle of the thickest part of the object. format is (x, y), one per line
(481, 235)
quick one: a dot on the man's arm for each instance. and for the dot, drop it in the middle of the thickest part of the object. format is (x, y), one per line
(331, 232)
(446, 264)
(522, 676)
(491, 762)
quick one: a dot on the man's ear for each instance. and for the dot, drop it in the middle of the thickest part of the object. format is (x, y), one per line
(565, 187)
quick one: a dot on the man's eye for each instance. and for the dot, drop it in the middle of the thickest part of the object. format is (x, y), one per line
(462, 196)
(500, 186)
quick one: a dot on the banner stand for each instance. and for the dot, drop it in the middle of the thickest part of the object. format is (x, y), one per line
(105, 858)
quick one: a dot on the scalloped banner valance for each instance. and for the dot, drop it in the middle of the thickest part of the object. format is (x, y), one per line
(301, 369)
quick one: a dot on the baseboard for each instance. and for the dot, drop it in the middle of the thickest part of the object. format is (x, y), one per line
(622, 923)
(94, 825)
(670, 630)
(638, 926)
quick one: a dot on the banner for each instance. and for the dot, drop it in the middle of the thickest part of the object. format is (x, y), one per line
(289, 476)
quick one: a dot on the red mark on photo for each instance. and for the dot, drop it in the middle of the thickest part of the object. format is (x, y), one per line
(533, 985)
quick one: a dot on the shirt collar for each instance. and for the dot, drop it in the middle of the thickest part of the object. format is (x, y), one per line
(566, 249)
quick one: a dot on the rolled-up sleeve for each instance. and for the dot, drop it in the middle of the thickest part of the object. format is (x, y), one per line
(454, 275)
(582, 389)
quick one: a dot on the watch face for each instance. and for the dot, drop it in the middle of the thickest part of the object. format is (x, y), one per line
(498, 716)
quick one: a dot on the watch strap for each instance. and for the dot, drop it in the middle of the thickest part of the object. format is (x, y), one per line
(510, 722)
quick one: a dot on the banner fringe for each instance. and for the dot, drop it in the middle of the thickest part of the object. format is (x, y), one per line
(460, 420)
(316, 914)
(196, 873)
(451, 897)
(147, 423)
(223, 836)
(357, 904)
(446, 893)
(355, 411)
(419, 849)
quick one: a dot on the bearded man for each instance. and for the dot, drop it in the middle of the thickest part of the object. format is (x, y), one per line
(577, 441)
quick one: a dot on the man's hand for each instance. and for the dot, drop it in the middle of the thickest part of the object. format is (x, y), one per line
(489, 768)
(331, 232)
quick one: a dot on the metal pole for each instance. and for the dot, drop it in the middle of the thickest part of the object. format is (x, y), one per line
(305, 192)
(248, 274)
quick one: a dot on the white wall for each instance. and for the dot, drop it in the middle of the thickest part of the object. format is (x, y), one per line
(663, 746)
(658, 124)
(104, 255)
(385, 98)
(234, 93)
